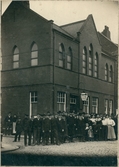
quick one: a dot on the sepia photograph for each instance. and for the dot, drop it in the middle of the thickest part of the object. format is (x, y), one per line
(59, 83)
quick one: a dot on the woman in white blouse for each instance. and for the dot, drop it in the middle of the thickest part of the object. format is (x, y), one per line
(111, 133)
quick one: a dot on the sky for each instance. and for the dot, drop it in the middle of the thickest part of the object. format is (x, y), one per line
(64, 12)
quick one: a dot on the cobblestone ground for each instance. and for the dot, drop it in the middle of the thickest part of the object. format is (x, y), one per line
(92, 150)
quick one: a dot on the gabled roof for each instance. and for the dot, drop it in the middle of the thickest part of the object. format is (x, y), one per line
(73, 28)
(61, 30)
(13, 3)
(107, 45)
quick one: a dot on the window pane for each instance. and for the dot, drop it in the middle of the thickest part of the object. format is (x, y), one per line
(84, 64)
(60, 63)
(90, 72)
(16, 57)
(16, 51)
(34, 47)
(90, 66)
(84, 57)
(34, 62)
(90, 60)
(15, 64)
(68, 66)
(60, 56)
(69, 58)
(34, 54)
(84, 71)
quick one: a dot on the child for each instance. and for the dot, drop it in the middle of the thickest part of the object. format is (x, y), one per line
(86, 131)
(18, 129)
(90, 133)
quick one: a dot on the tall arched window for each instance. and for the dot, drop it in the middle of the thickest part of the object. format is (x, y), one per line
(69, 59)
(61, 55)
(16, 57)
(110, 74)
(34, 54)
(90, 60)
(96, 65)
(84, 61)
(106, 72)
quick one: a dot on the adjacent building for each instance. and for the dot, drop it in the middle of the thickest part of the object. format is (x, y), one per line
(46, 67)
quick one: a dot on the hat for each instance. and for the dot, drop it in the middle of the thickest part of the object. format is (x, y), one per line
(26, 115)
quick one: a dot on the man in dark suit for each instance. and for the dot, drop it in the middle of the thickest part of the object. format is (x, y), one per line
(54, 129)
(46, 129)
(30, 129)
(25, 128)
(8, 124)
(37, 129)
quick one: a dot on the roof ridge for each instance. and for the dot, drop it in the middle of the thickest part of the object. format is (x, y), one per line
(108, 39)
(73, 23)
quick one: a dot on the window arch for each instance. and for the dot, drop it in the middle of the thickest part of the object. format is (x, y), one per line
(69, 59)
(110, 74)
(90, 60)
(34, 54)
(84, 61)
(106, 72)
(96, 65)
(15, 57)
(61, 55)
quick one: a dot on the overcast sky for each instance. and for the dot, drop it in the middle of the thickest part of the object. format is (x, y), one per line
(64, 12)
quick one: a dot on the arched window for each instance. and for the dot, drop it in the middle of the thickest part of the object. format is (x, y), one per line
(34, 55)
(69, 59)
(84, 61)
(106, 72)
(110, 74)
(90, 60)
(61, 55)
(96, 65)
(16, 57)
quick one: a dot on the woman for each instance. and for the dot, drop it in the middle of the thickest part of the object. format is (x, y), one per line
(111, 133)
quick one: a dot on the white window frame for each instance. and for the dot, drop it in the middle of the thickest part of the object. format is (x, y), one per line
(61, 99)
(95, 104)
(34, 51)
(33, 95)
(84, 62)
(106, 106)
(16, 58)
(110, 107)
(72, 100)
(86, 106)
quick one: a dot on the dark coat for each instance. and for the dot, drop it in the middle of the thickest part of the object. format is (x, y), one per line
(19, 126)
(26, 124)
(37, 123)
(46, 124)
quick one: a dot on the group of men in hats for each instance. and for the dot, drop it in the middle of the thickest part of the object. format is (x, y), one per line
(60, 127)
(53, 129)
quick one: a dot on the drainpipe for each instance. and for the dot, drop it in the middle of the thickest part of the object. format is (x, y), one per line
(78, 34)
(53, 89)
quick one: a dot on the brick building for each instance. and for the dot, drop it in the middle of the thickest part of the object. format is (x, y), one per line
(46, 67)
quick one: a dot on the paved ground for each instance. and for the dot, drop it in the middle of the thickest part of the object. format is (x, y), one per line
(104, 152)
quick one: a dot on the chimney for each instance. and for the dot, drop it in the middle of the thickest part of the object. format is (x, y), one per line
(22, 2)
(106, 32)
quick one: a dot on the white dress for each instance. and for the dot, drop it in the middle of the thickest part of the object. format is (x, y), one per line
(111, 132)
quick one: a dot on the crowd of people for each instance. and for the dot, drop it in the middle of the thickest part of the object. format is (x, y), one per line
(62, 127)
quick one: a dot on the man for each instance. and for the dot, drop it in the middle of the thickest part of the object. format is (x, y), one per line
(8, 124)
(18, 129)
(25, 128)
(46, 129)
(70, 126)
(62, 128)
(54, 129)
(37, 129)
(30, 130)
